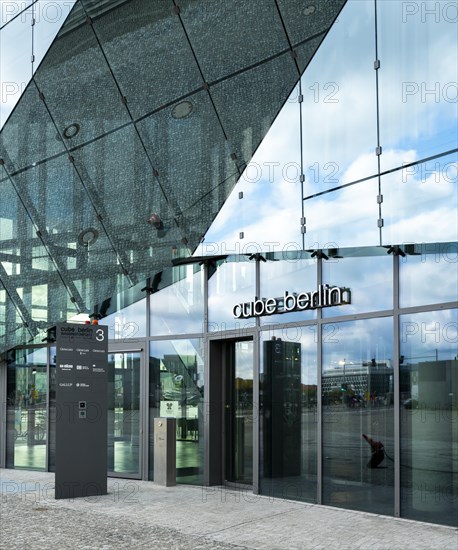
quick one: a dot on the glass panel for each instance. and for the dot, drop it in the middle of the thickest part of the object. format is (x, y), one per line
(124, 413)
(288, 399)
(217, 31)
(30, 135)
(117, 172)
(339, 108)
(177, 307)
(370, 280)
(12, 8)
(23, 46)
(71, 79)
(148, 54)
(232, 283)
(239, 413)
(358, 416)
(429, 413)
(50, 17)
(176, 389)
(343, 218)
(15, 60)
(303, 21)
(27, 418)
(418, 76)
(248, 103)
(420, 201)
(128, 322)
(63, 208)
(270, 209)
(196, 220)
(428, 274)
(189, 150)
(288, 273)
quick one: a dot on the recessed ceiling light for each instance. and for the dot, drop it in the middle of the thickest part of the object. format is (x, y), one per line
(309, 10)
(88, 236)
(72, 130)
(182, 110)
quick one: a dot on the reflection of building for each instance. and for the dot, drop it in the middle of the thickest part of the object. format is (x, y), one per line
(117, 159)
(376, 378)
(430, 384)
(282, 408)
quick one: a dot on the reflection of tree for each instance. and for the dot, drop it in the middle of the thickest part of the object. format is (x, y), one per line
(309, 394)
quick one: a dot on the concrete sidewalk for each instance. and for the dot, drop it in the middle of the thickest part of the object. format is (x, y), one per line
(139, 514)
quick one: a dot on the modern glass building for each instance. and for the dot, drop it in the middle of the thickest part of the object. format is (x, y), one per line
(259, 199)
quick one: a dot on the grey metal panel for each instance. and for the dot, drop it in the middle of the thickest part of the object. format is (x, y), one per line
(319, 435)
(256, 413)
(165, 454)
(2, 413)
(144, 413)
(396, 389)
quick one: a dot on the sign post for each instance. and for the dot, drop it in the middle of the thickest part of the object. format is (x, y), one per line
(81, 410)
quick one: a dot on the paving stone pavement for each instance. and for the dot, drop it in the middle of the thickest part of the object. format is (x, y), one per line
(140, 514)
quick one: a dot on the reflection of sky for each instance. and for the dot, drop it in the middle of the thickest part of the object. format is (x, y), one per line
(357, 341)
(233, 283)
(179, 308)
(128, 322)
(244, 360)
(340, 140)
(417, 273)
(16, 44)
(369, 279)
(423, 335)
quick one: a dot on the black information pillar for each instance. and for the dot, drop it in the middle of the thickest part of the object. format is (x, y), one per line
(81, 410)
(282, 403)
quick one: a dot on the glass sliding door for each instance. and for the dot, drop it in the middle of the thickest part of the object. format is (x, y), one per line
(27, 419)
(124, 441)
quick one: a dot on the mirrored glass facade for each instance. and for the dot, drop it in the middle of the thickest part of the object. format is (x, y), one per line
(261, 205)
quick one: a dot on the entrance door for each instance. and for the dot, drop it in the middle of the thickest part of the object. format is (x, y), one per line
(238, 412)
(124, 433)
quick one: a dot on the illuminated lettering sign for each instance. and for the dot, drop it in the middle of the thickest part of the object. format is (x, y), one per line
(325, 296)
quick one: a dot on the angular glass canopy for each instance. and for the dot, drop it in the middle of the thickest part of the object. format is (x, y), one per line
(129, 138)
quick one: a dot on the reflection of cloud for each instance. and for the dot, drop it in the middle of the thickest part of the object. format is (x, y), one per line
(423, 334)
(358, 341)
(418, 272)
(340, 140)
(419, 206)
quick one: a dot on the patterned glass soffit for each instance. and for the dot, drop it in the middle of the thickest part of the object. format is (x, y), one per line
(130, 137)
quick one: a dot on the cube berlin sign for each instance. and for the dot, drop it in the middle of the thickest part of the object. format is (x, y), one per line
(325, 296)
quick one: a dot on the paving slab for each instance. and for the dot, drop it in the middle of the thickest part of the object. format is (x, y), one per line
(141, 514)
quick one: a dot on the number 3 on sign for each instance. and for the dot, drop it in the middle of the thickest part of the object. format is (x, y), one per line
(99, 335)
